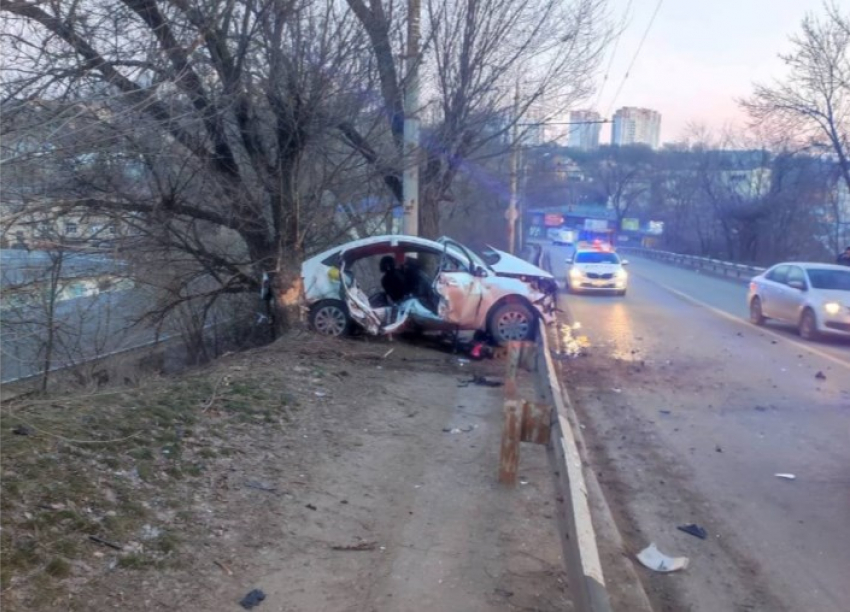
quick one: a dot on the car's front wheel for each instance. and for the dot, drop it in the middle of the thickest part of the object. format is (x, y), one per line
(808, 326)
(512, 321)
(756, 315)
(330, 318)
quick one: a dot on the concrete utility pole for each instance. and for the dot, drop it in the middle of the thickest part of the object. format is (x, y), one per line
(410, 180)
(512, 214)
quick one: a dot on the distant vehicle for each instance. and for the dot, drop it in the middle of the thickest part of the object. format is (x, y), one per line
(596, 239)
(561, 235)
(444, 286)
(813, 296)
(597, 270)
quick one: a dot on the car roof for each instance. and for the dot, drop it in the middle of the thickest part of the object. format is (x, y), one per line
(808, 265)
(392, 239)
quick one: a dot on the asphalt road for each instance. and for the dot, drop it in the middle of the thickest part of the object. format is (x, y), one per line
(690, 412)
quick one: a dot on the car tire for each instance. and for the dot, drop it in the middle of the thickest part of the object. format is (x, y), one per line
(756, 314)
(330, 318)
(808, 327)
(512, 321)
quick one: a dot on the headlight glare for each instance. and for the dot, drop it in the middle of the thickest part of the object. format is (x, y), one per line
(832, 308)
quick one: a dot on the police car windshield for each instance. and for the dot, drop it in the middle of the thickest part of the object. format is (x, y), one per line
(597, 257)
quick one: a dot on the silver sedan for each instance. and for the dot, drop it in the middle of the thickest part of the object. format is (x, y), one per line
(813, 296)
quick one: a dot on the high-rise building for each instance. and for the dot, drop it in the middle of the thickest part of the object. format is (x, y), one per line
(584, 129)
(636, 126)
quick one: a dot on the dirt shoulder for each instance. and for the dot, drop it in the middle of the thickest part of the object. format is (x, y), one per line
(322, 472)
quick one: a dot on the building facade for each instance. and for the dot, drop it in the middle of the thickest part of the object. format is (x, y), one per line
(636, 126)
(584, 130)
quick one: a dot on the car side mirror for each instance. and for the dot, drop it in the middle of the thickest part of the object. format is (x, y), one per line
(569, 262)
(799, 285)
(624, 262)
(479, 272)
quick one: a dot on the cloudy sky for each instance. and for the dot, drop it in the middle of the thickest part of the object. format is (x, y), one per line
(698, 57)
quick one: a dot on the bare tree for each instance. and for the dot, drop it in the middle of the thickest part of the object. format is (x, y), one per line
(477, 53)
(227, 106)
(813, 101)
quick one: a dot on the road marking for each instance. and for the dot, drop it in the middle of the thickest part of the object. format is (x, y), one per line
(722, 313)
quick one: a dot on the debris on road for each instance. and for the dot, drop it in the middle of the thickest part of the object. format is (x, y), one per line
(311, 507)
(820, 375)
(718, 448)
(694, 530)
(224, 568)
(457, 430)
(356, 547)
(665, 412)
(481, 381)
(252, 599)
(784, 476)
(657, 561)
(255, 484)
(388, 353)
(23, 430)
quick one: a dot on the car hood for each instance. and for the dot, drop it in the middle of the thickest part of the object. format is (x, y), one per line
(511, 265)
(597, 267)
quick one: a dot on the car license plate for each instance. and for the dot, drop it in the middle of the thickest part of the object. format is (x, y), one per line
(601, 283)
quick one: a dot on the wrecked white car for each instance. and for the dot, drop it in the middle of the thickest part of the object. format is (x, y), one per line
(389, 284)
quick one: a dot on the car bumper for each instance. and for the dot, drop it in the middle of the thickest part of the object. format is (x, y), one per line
(837, 325)
(601, 286)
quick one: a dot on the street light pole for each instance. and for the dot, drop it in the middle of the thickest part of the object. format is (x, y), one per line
(512, 213)
(410, 178)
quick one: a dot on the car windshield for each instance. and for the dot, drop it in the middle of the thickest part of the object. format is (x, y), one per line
(836, 280)
(597, 257)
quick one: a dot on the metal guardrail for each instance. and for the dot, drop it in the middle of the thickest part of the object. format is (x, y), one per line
(544, 421)
(728, 269)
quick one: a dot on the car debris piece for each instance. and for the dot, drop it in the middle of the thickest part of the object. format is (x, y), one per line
(785, 476)
(820, 375)
(481, 381)
(694, 530)
(657, 561)
(356, 547)
(252, 599)
(255, 484)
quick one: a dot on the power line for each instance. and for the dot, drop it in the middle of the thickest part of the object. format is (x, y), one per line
(634, 58)
(613, 55)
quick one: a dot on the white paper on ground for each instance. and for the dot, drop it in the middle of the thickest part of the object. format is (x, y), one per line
(657, 561)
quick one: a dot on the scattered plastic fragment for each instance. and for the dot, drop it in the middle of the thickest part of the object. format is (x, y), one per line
(657, 561)
(320, 394)
(252, 599)
(820, 375)
(694, 530)
(784, 476)
(356, 547)
(665, 412)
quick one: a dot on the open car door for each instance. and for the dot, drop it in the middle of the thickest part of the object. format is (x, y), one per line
(459, 290)
(376, 321)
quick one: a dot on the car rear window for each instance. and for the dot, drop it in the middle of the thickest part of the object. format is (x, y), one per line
(836, 280)
(597, 257)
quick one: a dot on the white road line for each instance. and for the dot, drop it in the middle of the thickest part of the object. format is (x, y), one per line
(748, 325)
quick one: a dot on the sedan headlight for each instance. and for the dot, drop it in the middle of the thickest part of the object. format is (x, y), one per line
(575, 273)
(832, 308)
(621, 274)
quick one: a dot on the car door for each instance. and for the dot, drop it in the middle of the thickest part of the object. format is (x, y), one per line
(792, 298)
(770, 291)
(459, 290)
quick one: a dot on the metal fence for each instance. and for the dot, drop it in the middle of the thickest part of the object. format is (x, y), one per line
(727, 269)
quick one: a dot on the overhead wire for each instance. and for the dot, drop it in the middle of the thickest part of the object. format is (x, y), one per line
(635, 56)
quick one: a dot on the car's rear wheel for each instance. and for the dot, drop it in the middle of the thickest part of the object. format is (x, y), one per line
(330, 318)
(808, 326)
(756, 315)
(512, 321)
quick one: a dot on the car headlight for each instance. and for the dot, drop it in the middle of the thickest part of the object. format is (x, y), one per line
(621, 274)
(832, 308)
(575, 273)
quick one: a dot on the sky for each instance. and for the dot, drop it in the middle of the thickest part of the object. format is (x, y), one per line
(698, 58)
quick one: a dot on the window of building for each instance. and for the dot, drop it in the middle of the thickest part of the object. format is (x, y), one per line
(71, 229)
